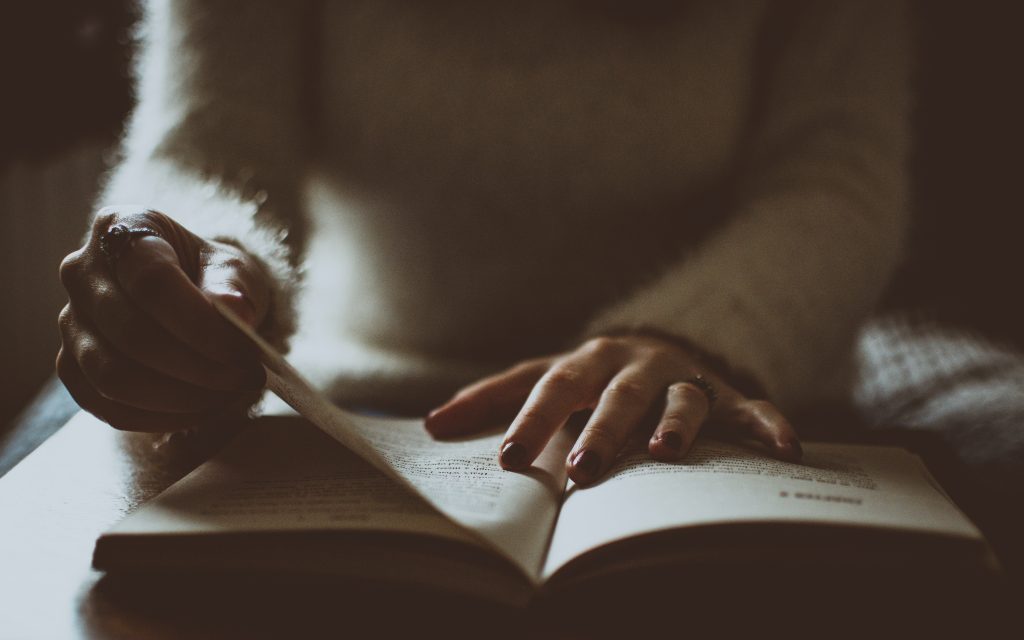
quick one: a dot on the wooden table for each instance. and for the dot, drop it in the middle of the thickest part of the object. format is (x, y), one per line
(87, 476)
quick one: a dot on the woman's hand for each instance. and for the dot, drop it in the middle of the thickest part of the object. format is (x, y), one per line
(629, 382)
(142, 347)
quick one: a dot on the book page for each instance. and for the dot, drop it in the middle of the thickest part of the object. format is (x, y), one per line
(511, 512)
(514, 511)
(721, 483)
(282, 474)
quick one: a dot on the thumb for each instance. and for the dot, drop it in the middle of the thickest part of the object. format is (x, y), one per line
(232, 278)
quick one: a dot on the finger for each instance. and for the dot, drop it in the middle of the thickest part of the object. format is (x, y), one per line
(762, 421)
(686, 409)
(96, 295)
(231, 278)
(128, 383)
(120, 416)
(571, 385)
(623, 405)
(185, 243)
(490, 401)
(151, 277)
(88, 276)
(139, 337)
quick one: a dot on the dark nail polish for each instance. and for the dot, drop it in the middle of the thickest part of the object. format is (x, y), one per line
(587, 464)
(670, 440)
(436, 422)
(513, 455)
(795, 446)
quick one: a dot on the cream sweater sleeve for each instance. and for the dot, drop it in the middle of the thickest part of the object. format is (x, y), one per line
(820, 209)
(215, 138)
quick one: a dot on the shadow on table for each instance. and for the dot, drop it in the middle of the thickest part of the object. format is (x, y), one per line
(704, 601)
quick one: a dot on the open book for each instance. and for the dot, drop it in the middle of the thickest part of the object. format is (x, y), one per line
(395, 505)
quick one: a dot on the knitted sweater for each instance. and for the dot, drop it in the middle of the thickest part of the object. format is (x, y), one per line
(457, 186)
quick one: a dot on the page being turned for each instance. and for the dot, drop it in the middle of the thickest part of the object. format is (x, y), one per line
(512, 512)
(719, 482)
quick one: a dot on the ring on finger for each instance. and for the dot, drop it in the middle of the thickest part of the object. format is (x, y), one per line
(705, 387)
(114, 240)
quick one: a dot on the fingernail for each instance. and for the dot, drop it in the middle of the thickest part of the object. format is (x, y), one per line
(586, 463)
(431, 421)
(513, 455)
(794, 446)
(670, 440)
(236, 302)
(432, 416)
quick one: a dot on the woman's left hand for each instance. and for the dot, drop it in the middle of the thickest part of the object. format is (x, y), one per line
(629, 382)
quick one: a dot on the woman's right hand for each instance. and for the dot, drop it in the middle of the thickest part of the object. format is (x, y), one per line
(142, 347)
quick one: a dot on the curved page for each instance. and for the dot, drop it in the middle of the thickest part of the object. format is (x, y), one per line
(513, 513)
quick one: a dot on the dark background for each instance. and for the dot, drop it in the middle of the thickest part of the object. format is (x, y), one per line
(65, 70)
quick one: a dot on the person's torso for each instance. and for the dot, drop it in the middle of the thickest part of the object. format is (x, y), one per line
(490, 177)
